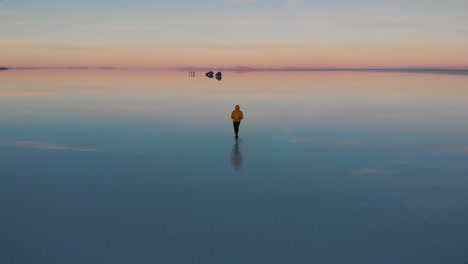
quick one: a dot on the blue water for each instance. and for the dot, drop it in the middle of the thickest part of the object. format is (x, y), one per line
(152, 176)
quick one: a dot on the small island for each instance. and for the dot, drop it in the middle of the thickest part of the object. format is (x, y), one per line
(3, 68)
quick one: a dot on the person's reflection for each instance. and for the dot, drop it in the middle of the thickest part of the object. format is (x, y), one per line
(236, 156)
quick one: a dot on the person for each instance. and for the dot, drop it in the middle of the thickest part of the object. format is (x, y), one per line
(236, 117)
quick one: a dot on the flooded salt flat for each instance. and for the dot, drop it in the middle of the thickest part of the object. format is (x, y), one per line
(143, 167)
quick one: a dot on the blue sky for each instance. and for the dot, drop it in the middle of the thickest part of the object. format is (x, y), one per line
(122, 20)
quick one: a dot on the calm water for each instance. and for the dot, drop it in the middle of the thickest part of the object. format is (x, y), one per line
(142, 167)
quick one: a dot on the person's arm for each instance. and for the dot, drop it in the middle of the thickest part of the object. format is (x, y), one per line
(232, 115)
(242, 115)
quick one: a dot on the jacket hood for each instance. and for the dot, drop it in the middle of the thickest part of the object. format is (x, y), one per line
(237, 108)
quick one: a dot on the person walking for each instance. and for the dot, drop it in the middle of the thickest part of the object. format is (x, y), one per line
(236, 117)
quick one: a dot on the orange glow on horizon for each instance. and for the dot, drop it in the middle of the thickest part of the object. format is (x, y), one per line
(227, 54)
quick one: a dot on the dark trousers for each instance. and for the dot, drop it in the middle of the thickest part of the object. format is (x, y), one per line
(236, 127)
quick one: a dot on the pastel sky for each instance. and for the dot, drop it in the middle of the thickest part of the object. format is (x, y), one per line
(223, 33)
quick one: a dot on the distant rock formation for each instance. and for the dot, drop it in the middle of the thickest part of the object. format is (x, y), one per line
(3, 68)
(239, 69)
(219, 76)
(209, 74)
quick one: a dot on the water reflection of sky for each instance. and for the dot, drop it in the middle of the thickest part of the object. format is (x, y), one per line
(139, 167)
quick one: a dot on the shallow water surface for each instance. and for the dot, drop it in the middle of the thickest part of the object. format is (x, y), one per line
(142, 167)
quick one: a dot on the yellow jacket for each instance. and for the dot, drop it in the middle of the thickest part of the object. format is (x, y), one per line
(237, 114)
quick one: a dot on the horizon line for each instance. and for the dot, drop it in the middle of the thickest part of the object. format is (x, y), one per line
(242, 68)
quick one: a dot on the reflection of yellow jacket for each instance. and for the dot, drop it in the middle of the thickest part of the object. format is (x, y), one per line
(237, 114)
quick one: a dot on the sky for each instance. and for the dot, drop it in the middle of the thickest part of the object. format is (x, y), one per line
(225, 33)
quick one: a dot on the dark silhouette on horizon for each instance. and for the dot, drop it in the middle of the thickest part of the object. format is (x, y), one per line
(3, 68)
(239, 69)
(219, 76)
(209, 74)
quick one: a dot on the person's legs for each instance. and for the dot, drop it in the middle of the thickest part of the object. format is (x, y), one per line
(236, 127)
